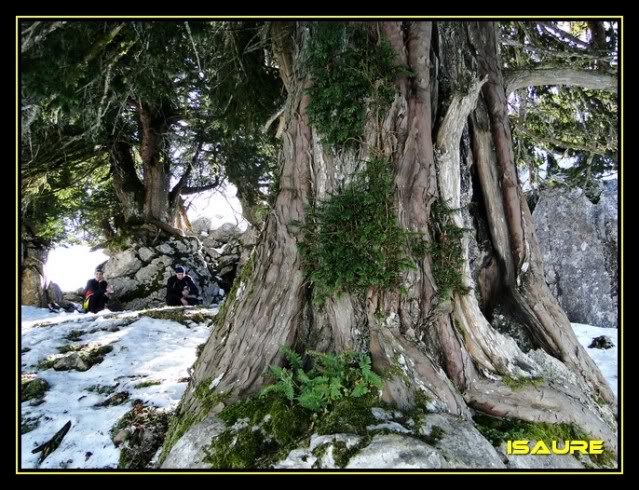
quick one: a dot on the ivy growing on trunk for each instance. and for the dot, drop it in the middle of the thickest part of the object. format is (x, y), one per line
(352, 240)
(350, 70)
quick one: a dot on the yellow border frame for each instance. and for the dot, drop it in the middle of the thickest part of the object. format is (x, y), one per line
(352, 473)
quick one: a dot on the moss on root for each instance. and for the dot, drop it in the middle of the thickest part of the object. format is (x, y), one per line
(520, 383)
(499, 430)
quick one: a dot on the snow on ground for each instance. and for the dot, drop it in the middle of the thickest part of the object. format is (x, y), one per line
(606, 359)
(144, 349)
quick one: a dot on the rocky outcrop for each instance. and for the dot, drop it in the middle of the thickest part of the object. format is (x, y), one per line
(139, 275)
(229, 249)
(188, 452)
(579, 244)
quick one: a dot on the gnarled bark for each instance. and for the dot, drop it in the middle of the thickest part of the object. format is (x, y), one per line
(445, 347)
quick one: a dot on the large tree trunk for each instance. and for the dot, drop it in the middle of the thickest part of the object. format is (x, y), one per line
(156, 173)
(127, 185)
(448, 124)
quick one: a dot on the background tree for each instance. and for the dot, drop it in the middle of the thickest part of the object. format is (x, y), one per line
(159, 103)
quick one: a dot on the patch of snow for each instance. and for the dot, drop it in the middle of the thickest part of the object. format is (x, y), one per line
(144, 350)
(605, 359)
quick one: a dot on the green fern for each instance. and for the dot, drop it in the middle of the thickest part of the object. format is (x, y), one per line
(331, 378)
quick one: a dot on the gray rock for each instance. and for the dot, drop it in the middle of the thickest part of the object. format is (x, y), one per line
(397, 451)
(462, 444)
(157, 271)
(123, 285)
(601, 342)
(32, 282)
(298, 459)
(165, 249)
(578, 241)
(250, 237)
(305, 458)
(69, 362)
(121, 264)
(146, 254)
(212, 253)
(224, 233)
(144, 284)
(54, 294)
(188, 452)
(33, 388)
(201, 224)
(154, 300)
(181, 246)
(72, 297)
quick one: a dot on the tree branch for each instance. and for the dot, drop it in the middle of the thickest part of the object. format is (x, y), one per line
(176, 191)
(277, 114)
(570, 54)
(598, 80)
(556, 31)
(194, 190)
(164, 226)
(32, 40)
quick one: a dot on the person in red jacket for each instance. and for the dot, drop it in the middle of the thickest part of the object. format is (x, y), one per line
(96, 293)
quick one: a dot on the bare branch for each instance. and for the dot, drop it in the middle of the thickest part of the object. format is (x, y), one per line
(556, 31)
(598, 80)
(273, 118)
(195, 190)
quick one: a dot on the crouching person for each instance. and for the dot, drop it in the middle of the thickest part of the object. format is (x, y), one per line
(181, 289)
(96, 293)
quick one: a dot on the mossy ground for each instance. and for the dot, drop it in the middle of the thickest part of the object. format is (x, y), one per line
(500, 430)
(33, 388)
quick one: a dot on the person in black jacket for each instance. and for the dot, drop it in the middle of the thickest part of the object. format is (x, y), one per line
(181, 290)
(96, 293)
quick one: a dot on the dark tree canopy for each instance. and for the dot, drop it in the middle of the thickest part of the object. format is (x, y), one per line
(206, 89)
(212, 87)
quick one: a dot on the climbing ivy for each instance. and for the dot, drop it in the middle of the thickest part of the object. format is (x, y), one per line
(351, 70)
(352, 240)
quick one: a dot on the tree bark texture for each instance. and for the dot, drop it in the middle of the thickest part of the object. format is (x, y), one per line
(448, 139)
